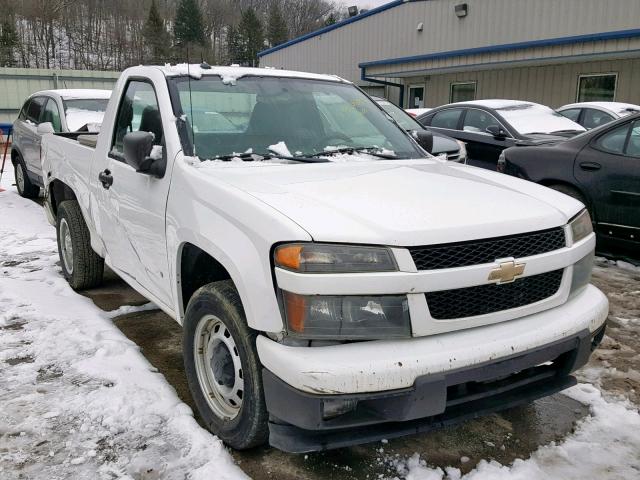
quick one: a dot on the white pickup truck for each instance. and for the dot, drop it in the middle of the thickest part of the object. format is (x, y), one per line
(335, 283)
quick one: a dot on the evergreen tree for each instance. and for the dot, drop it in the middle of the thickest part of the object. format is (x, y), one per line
(277, 31)
(331, 19)
(8, 42)
(156, 36)
(234, 49)
(188, 27)
(250, 36)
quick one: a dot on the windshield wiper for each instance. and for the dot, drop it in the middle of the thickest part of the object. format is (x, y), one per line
(250, 157)
(375, 151)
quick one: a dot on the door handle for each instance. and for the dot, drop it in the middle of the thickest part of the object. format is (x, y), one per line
(106, 179)
(590, 166)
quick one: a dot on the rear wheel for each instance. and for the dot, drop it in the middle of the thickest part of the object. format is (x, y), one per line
(222, 366)
(81, 266)
(25, 188)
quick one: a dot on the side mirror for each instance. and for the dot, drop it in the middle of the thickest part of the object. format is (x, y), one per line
(424, 139)
(45, 128)
(137, 150)
(496, 131)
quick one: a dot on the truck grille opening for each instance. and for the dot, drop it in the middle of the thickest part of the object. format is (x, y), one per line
(475, 252)
(494, 297)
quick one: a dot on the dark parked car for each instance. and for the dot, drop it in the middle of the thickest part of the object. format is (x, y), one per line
(455, 150)
(490, 126)
(601, 168)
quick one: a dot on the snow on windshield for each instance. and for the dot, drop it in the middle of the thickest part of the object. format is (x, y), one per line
(533, 118)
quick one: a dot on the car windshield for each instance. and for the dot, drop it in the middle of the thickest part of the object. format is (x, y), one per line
(529, 118)
(405, 120)
(80, 112)
(296, 117)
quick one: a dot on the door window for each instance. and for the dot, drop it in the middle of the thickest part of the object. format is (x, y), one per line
(593, 118)
(462, 92)
(52, 114)
(597, 88)
(614, 140)
(447, 118)
(138, 111)
(416, 97)
(633, 146)
(477, 121)
(35, 109)
(571, 114)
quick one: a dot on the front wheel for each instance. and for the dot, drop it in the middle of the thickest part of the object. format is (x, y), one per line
(222, 366)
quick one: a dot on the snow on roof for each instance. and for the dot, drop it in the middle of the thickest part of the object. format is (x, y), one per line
(619, 108)
(232, 73)
(77, 93)
(497, 103)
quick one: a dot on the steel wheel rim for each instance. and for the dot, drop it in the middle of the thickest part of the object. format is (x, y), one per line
(66, 245)
(218, 367)
(20, 178)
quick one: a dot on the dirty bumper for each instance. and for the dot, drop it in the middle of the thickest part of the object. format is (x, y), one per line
(303, 422)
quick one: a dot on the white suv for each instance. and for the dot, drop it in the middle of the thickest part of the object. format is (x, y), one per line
(65, 111)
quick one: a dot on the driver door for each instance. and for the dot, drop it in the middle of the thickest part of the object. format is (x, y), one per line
(131, 210)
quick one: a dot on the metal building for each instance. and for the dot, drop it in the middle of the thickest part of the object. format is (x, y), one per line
(432, 52)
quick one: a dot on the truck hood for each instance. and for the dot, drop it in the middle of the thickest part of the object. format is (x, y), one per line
(400, 202)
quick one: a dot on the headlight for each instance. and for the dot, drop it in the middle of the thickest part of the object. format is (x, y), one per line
(348, 317)
(463, 152)
(581, 226)
(330, 258)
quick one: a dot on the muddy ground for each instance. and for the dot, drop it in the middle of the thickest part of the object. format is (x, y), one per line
(504, 437)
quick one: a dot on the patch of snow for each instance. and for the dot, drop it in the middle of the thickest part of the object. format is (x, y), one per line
(156, 152)
(78, 118)
(89, 404)
(127, 309)
(280, 148)
(605, 445)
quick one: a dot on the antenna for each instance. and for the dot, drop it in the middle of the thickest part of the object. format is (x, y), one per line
(193, 136)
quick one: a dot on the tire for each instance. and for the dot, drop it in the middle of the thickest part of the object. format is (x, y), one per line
(572, 192)
(25, 188)
(213, 310)
(81, 266)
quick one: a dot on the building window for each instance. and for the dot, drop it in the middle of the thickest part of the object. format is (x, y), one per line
(597, 87)
(416, 96)
(462, 92)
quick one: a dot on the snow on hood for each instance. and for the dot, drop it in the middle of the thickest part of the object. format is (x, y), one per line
(398, 202)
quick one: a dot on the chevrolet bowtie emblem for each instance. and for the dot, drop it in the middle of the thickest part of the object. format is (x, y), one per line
(507, 272)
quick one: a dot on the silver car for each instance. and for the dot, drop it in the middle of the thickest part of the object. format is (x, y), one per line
(57, 111)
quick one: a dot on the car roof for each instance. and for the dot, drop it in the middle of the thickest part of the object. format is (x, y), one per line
(619, 108)
(76, 93)
(494, 103)
(231, 73)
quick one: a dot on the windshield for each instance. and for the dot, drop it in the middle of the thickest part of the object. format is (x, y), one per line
(529, 118)
(405, 120)
(84, 111)
(299, 116)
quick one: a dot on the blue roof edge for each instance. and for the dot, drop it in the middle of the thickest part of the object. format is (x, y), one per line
(589, 37)
(335, 26)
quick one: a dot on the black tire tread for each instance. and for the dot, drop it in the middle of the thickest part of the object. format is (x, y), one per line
(88, 268)
(225, 295)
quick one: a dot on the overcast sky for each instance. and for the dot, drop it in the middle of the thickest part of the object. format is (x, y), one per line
(365, 3)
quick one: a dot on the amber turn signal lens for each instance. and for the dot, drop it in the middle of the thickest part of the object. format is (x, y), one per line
(288, 256)
(295, 311)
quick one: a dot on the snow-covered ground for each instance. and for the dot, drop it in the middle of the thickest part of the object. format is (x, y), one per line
(79, 400)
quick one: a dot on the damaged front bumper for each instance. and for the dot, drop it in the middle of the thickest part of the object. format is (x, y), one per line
(329, 397)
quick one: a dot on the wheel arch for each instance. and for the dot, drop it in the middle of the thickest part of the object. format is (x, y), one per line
(548, 182)
(58, 192)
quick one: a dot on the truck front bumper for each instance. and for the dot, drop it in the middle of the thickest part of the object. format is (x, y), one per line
(395, 388)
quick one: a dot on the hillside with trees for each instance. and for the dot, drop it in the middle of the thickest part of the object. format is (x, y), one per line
(115, 34)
